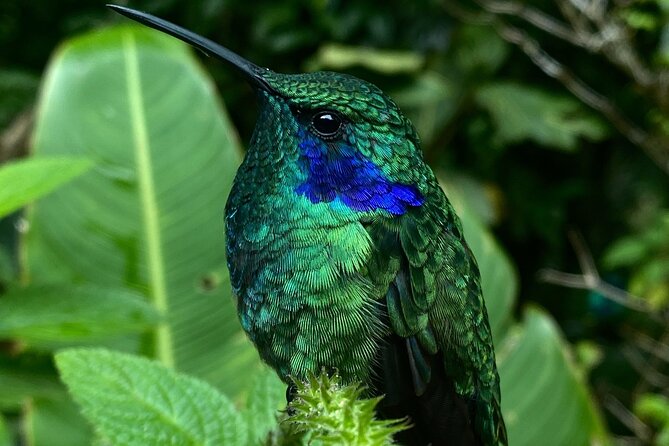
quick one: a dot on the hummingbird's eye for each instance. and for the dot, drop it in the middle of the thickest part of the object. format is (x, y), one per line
(326, 124)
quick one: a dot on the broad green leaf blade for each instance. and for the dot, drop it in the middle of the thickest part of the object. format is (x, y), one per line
(5, 440)
(149, 216)
(63, 314)
(22, 378)
(266, 397)
(544, 397)
(56, 422)
(526, 113)
(22, 182)
(133, 401)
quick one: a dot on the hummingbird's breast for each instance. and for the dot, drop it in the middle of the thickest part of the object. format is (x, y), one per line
(298, 271)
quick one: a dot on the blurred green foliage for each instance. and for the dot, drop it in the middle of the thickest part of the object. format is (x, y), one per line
(528, 159)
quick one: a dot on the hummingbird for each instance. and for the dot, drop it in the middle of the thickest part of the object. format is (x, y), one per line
(345, 254)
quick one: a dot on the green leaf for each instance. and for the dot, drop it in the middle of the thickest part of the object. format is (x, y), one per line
(149, 217)
(523, 113)
(22, 182)
(266, 397)
(544, 396)
(5, 440)
(654, 408)
(27, 379)
(645, 254)
(340, 57)
(56, 422)
(134, 401)
(640, 20)
(478, 50)
(626, 251)
(61, 314)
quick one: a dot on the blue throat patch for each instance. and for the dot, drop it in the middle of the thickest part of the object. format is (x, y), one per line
(350, 177)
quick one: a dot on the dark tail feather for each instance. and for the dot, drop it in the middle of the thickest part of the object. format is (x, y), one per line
(439, 417)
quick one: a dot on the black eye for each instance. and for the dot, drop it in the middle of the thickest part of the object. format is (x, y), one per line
(326, 124)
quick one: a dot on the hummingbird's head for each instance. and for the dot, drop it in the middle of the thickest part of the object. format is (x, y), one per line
(345, 139)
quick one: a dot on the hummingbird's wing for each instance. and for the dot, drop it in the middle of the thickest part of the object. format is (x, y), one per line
(439, 358)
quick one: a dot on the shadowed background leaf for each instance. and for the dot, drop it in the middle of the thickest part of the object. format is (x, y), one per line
(50, 316)
(4, 433)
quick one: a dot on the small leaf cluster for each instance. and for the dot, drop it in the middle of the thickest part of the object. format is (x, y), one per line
(645, 253)
(334, 414)
(654, 408)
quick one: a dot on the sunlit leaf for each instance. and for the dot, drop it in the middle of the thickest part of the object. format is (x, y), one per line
(339, 57)
(22, 182)
(653, 408)
(640, 20)
(133, 401)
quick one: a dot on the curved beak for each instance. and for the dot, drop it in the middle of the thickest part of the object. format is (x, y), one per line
(252, 72)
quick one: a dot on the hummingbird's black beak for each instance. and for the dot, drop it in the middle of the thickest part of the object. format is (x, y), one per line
(252, 72)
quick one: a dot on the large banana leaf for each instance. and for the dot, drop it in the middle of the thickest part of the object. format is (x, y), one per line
(149, 215)
(544, 398)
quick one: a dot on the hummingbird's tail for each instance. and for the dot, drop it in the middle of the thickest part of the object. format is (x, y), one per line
(439, 417)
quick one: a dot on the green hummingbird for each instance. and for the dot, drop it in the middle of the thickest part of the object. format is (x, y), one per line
(345, 254)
